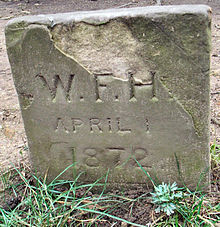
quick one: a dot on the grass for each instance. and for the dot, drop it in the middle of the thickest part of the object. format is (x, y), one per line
(59, 203)
(215, 154)
(30, 201)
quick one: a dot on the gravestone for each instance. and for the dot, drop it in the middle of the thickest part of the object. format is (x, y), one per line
(109, 89)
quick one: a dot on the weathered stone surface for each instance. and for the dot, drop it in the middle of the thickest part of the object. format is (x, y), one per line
(105, 87)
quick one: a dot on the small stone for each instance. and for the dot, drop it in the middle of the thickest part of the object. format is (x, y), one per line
(9, 132)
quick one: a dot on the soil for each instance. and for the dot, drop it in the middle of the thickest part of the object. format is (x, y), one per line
(13, 143)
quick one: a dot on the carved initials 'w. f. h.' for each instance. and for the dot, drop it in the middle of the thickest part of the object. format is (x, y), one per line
(57, 81)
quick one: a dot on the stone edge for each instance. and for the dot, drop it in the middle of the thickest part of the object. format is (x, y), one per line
(103, 16)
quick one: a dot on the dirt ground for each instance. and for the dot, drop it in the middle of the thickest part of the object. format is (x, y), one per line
(13, 144)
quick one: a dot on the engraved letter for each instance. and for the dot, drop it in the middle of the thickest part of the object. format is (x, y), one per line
(147, 125)
(95, 122)
(76, 122)
(98, 85)
(134, 84)
(109, 124)
(57, 81)
(60, 125)
(121, 129)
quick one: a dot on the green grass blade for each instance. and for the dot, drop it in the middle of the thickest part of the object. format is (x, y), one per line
(146, 173)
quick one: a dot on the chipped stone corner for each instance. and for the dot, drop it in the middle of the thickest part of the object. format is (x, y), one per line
(102, 48)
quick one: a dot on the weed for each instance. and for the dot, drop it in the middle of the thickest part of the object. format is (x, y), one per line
(183, 207)
(215, 153)
(166, 197)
